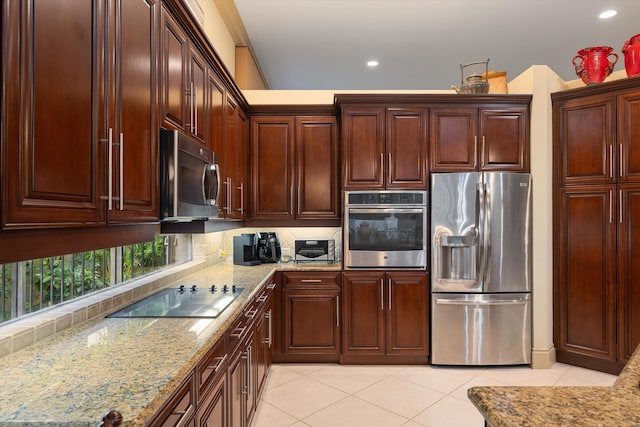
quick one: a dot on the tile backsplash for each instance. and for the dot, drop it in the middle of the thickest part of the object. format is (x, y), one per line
(219, 246)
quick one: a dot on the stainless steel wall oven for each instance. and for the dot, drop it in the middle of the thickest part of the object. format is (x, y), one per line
(385, 229)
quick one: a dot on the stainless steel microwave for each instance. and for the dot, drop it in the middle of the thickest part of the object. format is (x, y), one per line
(189, 179)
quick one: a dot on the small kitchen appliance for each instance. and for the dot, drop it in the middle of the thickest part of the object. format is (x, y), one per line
(385, 229)
(315, 250)
(268, 247)
(245, 249)
(481, 268)
(256, 248)
(189, 179)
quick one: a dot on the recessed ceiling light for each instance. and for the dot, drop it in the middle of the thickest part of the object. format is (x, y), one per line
(608, 14)
(372, 63)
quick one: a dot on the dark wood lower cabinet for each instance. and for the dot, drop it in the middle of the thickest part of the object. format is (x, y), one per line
(310, 317)
(179, 409)
(385, 317)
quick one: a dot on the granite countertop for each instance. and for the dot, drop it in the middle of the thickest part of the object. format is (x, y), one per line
(132, 365)
(618, 405)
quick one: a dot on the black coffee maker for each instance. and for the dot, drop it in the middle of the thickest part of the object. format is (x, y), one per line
(245, 249)
(268, 247)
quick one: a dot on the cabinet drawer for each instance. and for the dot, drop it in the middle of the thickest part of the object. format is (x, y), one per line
(311, 279)
(180, 409)
(211, 366)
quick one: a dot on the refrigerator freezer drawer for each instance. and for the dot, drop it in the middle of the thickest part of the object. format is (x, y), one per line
(481, 329)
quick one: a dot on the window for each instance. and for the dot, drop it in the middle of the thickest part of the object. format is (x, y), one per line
(30, 286)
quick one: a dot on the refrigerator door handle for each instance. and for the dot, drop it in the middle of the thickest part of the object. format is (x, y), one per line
(481, 222)
(484, 302)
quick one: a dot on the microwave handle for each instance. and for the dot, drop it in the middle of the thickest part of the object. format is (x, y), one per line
(211, 168)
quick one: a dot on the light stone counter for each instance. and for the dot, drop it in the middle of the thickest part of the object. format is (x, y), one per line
(618, 405)
(131, 365)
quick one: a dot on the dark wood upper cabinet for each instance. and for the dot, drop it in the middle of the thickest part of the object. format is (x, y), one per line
(54, 118)
(272, 167)
(134, 177)
(85, 141)
(317, 168)
(471, 137)
(363, 148)
(587, 130)
(185, 79)
(295, 168)
(384, 147)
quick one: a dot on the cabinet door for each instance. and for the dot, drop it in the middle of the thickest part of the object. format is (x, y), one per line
(317, 168)
(237, 390)
(585, 140)
(406, 148)
(407, 314)
(272, 167)
(585, 271)
(212, 409)
(135, 156)
(311, 323)
(264, 339)
(629, 136)
(363, 313)
(53, 128)
(453, 139)
(198, 81)
(628, 270)
(504, 138)
(174, 78)
(363, 148)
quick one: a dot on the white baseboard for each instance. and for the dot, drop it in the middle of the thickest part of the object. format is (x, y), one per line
(543, 358)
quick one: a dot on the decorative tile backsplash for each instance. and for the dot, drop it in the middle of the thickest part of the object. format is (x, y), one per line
(218, 246)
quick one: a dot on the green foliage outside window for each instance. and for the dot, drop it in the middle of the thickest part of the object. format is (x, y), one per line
(32, 285)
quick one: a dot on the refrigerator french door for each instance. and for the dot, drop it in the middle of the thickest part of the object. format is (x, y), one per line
(481, 268)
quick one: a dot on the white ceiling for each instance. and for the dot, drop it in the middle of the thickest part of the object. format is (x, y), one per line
(420, 44)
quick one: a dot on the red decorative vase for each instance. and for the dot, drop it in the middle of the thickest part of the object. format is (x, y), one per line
(631, 51)
(592, 64)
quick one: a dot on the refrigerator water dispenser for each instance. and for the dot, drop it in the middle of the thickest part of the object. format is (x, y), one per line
(457, 257)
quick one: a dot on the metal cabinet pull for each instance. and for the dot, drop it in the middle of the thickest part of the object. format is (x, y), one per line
(621, 167)
(241, 188)
(483, 152)
(311, 280)
(227, 183)
(382, 164)
(217, 366)
(270, 336)
(610, 206)
(389, 295)
(195, 109)
(239, 333)
(110, 188)
(121, 171)
(475, 150)
(389, 179)
(620, 206)
(611, 161)
(338, 311)
(381, 294)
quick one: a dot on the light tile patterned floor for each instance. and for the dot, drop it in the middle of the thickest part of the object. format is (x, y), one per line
(328, 395)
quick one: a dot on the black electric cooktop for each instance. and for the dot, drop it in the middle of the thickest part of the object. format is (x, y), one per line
(184, 301)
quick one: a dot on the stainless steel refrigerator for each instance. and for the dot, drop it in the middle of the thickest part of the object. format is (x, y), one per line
(481, 269)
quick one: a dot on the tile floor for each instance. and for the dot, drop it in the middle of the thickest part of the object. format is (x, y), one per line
(329, 395)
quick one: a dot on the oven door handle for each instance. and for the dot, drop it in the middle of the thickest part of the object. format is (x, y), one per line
(385, 210)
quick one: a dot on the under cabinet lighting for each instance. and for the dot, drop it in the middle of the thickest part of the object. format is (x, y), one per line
(372, 63)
